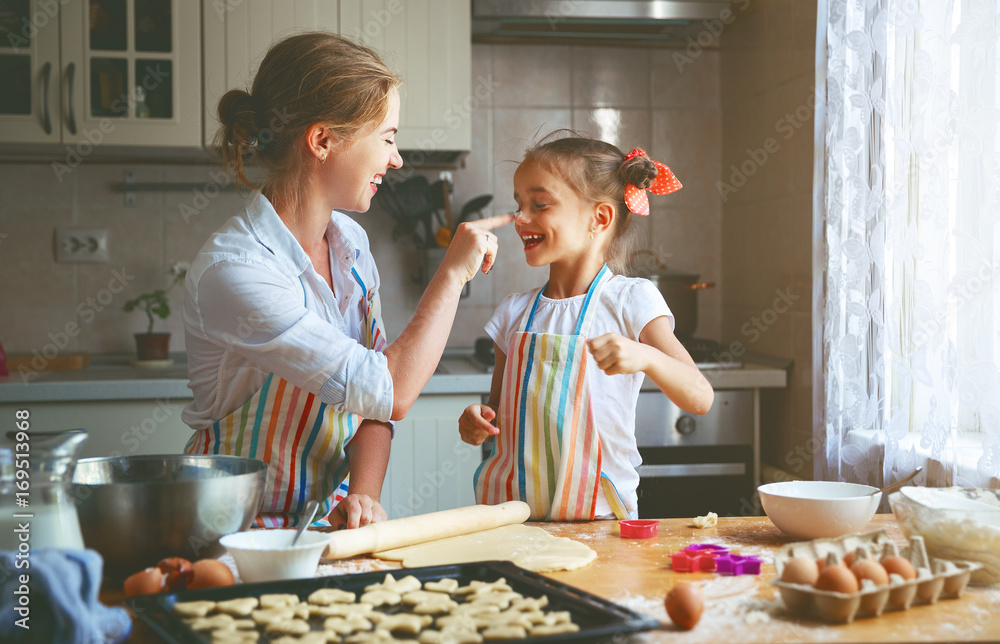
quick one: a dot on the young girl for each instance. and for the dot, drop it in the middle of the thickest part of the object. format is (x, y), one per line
(570, 356)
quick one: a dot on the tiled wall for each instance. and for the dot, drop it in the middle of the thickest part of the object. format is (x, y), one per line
(768, 80)
(631, 97)
(628, 97)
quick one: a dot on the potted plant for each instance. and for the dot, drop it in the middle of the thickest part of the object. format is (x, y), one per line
(149, 345)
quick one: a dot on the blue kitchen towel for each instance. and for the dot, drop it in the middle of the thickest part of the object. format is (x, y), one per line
(61, 604)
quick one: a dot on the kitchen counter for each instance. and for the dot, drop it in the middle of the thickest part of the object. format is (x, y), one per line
(112, 377)
(636, 573)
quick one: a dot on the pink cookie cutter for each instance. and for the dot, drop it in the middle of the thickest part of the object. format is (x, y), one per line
(638, 529)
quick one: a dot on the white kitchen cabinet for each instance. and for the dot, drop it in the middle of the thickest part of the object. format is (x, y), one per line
(114, 427)
(30, 73)
(93, 72)
(430, 468)
(427, 42)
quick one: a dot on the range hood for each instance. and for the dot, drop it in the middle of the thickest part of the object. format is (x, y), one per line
(665, 23)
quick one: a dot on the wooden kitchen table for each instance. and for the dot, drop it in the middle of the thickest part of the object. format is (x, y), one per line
(636, 573)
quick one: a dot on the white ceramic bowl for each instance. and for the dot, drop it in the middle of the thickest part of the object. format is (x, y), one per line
(818, 509)
(266, 555)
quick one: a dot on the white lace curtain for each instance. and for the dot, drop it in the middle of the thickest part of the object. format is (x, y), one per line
(911, 321)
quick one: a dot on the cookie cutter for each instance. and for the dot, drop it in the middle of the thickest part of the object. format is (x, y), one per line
(698, 557)
(638, 529)
(738, 564)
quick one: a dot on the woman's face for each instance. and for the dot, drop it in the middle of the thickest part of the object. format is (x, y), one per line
(356, 168)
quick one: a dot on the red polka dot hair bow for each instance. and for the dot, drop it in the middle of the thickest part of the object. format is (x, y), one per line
(664, 183)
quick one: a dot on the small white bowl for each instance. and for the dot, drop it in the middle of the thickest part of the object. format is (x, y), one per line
(818, 509)
(265, 555)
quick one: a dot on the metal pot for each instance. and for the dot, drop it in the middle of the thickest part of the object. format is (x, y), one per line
(680, 291)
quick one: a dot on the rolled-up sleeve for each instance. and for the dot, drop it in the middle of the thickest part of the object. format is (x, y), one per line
(259, 315)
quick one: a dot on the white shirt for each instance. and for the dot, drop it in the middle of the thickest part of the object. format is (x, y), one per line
(256, 305)
(626, 305)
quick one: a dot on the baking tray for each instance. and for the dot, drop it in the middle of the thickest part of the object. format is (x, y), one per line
(598, 619)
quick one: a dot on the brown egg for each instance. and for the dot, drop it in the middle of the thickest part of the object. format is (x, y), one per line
(144, 582)
(800, 570)
(870, 569)
(896, 565)
(848, 559)
(821, 563)
(176, 570)
(209, 573)
(837, 578)
(684, 605)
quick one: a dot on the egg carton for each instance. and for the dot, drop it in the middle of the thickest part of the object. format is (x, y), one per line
(936, 578)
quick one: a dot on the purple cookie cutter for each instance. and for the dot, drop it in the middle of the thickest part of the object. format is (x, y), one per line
(730, 564)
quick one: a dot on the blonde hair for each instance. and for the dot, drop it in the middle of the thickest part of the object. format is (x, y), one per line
(305, 79)
(598, 172)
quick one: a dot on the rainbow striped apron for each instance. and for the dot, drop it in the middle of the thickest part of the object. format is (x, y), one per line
(548, 450)
(301, 438)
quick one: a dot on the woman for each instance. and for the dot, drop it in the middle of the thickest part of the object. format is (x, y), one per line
(287, 356)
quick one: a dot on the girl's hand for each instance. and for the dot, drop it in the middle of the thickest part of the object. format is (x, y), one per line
(354, 511)
(615, 354)
(474, 247)
(474, 425)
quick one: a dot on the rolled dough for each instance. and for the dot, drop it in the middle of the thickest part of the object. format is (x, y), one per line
(528, 547)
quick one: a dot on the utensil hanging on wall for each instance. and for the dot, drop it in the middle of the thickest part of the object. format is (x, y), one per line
(473, 207)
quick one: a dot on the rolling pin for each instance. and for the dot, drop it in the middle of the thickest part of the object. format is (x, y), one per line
(408, 531)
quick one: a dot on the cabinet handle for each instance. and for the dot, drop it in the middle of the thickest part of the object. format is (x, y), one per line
(70, 72)
(46, 76)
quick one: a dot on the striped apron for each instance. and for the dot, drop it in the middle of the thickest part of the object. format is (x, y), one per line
(548, 450)
(301, 438)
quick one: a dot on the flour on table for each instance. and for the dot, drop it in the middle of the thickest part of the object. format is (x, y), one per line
(730, 605)
(351, 566)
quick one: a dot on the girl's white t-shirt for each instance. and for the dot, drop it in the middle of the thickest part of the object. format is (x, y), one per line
(625, 306)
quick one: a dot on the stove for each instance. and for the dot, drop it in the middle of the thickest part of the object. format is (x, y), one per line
(691, 464)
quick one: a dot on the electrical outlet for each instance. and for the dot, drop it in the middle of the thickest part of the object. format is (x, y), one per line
(80, 245)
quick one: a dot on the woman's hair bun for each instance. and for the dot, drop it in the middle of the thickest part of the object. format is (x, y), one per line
(239, 118)
(638, 171)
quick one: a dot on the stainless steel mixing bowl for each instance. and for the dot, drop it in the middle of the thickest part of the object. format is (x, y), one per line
(137, 510)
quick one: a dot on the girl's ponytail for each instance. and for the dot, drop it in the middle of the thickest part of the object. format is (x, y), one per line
(638, 171)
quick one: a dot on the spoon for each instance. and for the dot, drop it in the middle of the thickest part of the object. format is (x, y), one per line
(310, 511)
(898, 483)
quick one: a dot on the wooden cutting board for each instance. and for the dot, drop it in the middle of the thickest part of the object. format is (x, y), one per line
(37, 362)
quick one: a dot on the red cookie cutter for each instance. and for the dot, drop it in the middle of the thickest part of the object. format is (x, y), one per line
(698, 557)
(636, 529)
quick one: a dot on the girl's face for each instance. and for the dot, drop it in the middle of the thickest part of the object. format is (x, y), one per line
(355, 169)
(553, 222)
